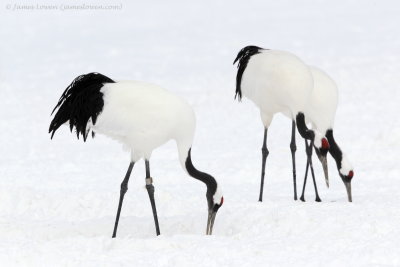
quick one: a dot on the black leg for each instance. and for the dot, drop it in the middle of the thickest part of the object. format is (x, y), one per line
(150, 191)
(265, 153)
(305, 177)
(309, 164)
(310, 149)
(293, 149)
(307, 134)
(124, 188)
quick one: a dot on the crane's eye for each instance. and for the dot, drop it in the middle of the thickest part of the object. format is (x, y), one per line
(323, 151)
(218, 205)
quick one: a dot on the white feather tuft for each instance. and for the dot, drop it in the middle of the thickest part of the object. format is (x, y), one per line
(218, 195)
(318, 139)
(346, 166)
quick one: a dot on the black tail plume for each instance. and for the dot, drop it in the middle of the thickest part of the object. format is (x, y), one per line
(81, 101)
(243, 57)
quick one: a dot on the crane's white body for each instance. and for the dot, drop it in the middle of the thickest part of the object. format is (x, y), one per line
(144, 116)
(322, 105)
(278, 81)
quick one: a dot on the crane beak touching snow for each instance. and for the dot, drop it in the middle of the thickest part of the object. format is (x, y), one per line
(347, 183)
(212, 213)
(348, 189)
(210, 221)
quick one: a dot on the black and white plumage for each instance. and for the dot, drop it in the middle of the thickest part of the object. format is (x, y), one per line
(243, 57)
(80, 104)
(321, 111)
(141, 116)
(278, 82)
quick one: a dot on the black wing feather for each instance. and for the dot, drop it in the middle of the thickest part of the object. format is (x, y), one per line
(243, 58)
(81, 101)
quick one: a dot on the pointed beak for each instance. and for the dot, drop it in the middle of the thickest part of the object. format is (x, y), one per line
(348, 189)
(324, 163)
(210, 221)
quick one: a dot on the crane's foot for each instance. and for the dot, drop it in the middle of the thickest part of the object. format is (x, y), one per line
(317, 199)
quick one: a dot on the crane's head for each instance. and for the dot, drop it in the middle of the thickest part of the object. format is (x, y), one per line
(214, 194)
(346, 172)
(322, 146)
(344, 166)
(215, 201)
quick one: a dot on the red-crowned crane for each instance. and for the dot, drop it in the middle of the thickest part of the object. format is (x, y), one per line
(278, 82)
(141, 116)
(321, 111)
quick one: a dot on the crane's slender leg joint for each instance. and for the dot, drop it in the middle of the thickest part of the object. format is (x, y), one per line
(124, 189)
(310, 165)
(293, 149)
(265, 153)
(150, 191)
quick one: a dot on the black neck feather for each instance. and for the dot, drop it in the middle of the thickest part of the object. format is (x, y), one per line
(302, 127)
(334, 149)
(210, 182)
(243, 57)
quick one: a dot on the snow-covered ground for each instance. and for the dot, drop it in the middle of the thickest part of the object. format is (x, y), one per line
(58, 198)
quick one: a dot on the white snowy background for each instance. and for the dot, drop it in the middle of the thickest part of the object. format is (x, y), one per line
(58, 198)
